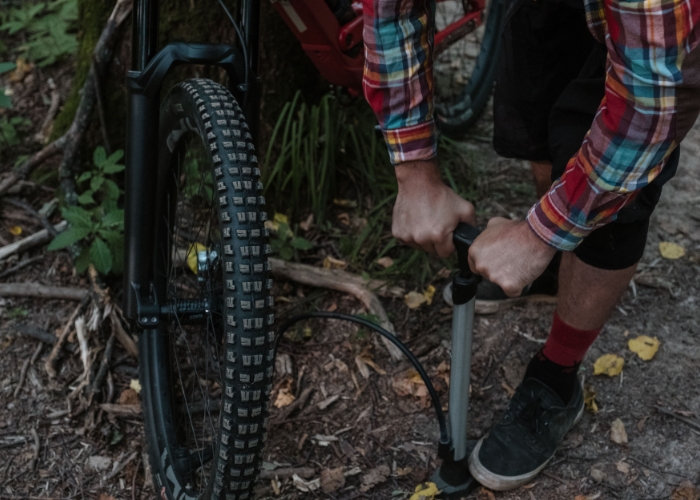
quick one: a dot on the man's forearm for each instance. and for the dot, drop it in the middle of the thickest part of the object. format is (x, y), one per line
(398, 77)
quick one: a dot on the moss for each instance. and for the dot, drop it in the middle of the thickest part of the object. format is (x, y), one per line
(92, 15)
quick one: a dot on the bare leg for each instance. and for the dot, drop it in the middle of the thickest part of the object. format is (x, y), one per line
(542, 173)
(588, 295)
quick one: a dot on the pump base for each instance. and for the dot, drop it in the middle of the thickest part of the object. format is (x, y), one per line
(453, 478)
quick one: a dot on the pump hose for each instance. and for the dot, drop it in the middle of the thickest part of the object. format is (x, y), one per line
(384, 333)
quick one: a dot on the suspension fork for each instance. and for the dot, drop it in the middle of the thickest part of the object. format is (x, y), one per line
(141, 158)
(144, 81)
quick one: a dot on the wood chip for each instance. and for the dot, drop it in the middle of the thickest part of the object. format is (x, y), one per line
(328, 401)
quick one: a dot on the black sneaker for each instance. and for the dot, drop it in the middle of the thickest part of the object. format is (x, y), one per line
(525, 439)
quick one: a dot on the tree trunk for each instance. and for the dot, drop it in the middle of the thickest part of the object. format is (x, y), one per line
(284, 67)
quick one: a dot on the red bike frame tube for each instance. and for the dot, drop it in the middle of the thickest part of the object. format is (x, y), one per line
(335, 50)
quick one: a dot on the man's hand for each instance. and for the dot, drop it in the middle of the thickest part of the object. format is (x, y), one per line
(509, 254)
(426, 210)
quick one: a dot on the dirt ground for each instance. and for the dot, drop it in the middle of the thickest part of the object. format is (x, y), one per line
(380, 430)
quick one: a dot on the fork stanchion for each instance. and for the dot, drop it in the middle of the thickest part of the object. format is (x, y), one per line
(452, 477)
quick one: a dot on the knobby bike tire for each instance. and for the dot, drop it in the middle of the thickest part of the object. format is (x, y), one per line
(457, 118)
(242, 315)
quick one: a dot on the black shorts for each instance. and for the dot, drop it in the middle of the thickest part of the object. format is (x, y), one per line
(550, 82)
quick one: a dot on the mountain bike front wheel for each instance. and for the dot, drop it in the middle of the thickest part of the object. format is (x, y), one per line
(465, 64)
(206, 370)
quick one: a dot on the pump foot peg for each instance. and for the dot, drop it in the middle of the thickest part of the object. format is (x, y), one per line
(453, 478)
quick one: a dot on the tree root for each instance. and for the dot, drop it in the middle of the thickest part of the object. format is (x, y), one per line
(335, 279)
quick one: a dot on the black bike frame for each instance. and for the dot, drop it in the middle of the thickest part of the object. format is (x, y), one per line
(144, 82)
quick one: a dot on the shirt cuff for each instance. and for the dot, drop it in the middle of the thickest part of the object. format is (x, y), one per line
(417, 142)
(554, 227)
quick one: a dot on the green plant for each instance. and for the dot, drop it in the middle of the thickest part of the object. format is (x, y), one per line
(97, 232)
(313, 147)
(100, 184)
(45, 28)
(5, 100)
(284, 241)
(10, 129)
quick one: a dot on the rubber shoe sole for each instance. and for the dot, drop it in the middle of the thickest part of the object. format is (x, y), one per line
(504, 483)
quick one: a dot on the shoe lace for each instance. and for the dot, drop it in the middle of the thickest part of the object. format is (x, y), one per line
(533, 414)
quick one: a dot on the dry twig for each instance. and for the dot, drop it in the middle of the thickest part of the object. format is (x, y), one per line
(48, 365)
(124, 411)
(34, 240)
(41, 291)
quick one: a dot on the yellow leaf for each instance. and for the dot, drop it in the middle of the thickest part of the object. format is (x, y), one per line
(16, 230)
(414, 300)
(192, 256)
(425, 491)
(333, 263)
(644, 347)
(284, 395)
(670, 250)
(135, 385)
(429, 293)
(589, 399)
(608, 364)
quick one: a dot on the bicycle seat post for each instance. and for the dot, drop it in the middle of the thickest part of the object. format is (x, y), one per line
(453, 477)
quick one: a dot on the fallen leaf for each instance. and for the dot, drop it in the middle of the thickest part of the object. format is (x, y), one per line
(332, 480)
(306, 224)
(105, 496)
(16, 230)
(608, 364)
(135, 385)
(589, 399)
(344, 219)
(373, 477)
(623, 467)
(644, 347)
(333, 263)
(597, 475)
(618, 434)
(23, 68)
(362, 366)
(429, 293)
(385, 262)
(685, 491)
(425, 491)
(411, 384)
(98, 462)
(594, 496)
(640, 424)
(192, 252)
(403, 471)
(414, 300)
(275, 484)
(285, 396)
(305, 486)
(671, 251)
(129, 397)
(572, 440)
(344, 203)
(332, 307)
(374, 365)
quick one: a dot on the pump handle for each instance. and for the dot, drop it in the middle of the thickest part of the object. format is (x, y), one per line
(463, 238)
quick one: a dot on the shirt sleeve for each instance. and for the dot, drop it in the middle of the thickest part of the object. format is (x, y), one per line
(634, 131)
(398, 75)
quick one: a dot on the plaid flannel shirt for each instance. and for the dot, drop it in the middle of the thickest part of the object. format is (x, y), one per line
(635, 129)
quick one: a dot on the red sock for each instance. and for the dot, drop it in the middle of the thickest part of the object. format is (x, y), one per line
(567, 345)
